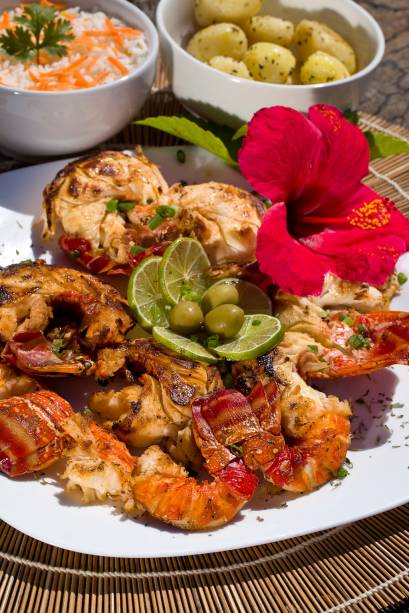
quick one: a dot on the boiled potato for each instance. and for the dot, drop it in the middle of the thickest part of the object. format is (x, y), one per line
(219, 39)
(322, 68)
(269, 62)
(230, 65)
(215, 11)
(312, 36)
(268, 29)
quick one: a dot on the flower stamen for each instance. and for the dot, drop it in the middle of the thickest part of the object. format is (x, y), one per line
(371, 215)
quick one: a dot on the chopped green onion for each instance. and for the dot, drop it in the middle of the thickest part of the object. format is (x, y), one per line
(313, 348)
(149, 200)
(255, 322)
(402, 278)
(181, 156)
(189, 294)
(357, 341)
(126, 206)
(112, 205)
(57, 346)
(342, 473)
(213, 341)
(267, 203)
(155, 222)
(136, 249)
(165, 211)
(236, 449)
(346, 319)
(362, 330)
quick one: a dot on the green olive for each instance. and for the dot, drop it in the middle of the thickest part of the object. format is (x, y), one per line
(185, 317)
(222, 293)
(225, 320)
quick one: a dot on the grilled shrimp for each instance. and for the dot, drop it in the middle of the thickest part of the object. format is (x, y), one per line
(39, 428)
(99, 466)
(357, 344)
(15, 383)
(32, 434)
(296, 436)
(52, 318)
(224, 218)
(167, 493)
(158, 406)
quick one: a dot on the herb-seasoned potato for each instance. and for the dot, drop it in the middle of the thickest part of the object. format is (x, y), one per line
(230, 65)
(269, 62)
(219, 39)
(214, 11)
(322, 68)
(268, 29)
(312, 36)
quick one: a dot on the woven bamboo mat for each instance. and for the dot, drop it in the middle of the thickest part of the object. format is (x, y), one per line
(360, 567)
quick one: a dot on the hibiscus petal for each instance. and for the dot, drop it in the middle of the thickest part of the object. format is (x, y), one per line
(342, 163)
(277, 156)
(294, 267)
(367, 251)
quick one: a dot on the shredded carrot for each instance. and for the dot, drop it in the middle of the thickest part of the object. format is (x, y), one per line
(101, 77)
(6, 21)
(118, 64)
(54, 5)
(129, 31)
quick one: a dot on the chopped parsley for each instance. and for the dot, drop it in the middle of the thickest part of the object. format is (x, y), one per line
(162, 212)
(255, 322)
(313, 348)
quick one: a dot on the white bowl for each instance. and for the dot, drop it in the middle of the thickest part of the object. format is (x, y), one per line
(232, 101)
(57, 123)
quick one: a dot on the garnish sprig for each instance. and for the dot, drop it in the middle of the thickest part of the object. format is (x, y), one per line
(39, 28)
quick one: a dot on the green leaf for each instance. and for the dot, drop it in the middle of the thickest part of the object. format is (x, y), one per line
(18, 43)
(39, 28)
(352, 116)
(242, 131)
(192, 133)
(382, 145)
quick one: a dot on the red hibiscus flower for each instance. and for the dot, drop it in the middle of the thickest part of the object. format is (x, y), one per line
(323, 218)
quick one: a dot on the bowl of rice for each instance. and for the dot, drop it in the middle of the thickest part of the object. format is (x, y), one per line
(63, 102)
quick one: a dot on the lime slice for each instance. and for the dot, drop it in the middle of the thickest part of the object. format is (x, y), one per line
(144, 295)
(251, 298)
(182, 345)
(182, 273)
(258, 334)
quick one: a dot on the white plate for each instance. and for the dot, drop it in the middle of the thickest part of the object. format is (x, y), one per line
(378, 481)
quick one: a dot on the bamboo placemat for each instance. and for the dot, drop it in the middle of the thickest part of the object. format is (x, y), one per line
(360, 567)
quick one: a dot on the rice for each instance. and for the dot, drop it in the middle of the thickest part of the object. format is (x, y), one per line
(104, 50)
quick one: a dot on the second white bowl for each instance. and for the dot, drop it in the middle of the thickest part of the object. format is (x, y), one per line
(232, 101)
